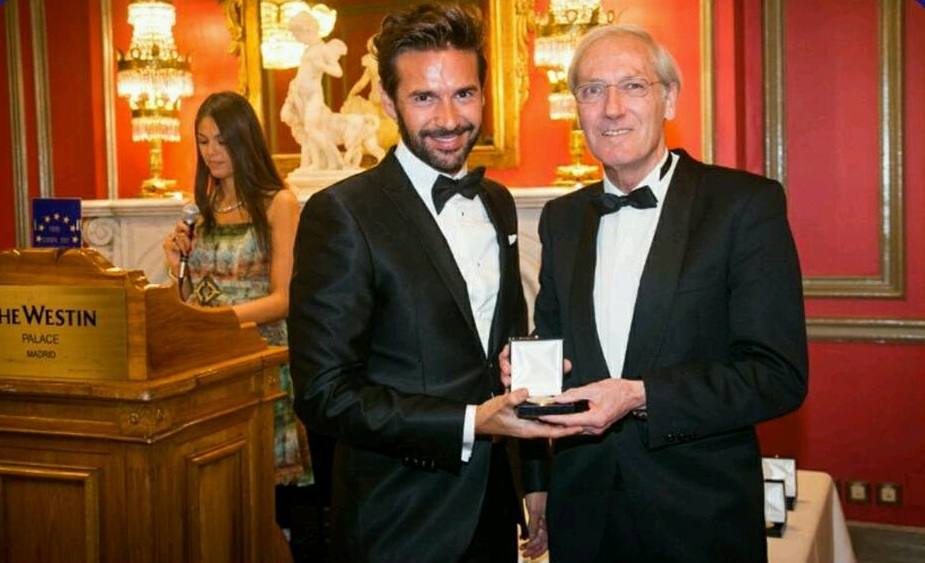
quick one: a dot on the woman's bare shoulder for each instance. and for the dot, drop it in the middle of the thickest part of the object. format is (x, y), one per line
(283, 202)
(284, 198)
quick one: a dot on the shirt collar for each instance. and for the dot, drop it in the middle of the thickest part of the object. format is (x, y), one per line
(658, 186)
(421, 174)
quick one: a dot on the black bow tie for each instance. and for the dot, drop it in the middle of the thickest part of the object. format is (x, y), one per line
(445, 187)
(640, 198)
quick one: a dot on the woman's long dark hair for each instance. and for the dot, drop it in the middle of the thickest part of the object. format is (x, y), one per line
(256, 179)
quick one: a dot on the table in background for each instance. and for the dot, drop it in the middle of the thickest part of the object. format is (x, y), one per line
(816, 529)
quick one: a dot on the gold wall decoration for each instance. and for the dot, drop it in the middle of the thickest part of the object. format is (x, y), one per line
(42, 98)
(520, 28)
(905, 331)
(774, 141)
(890, 281)
(706, 80)
(109, 99)
(509, 83)
(242, 18)
(17, 124)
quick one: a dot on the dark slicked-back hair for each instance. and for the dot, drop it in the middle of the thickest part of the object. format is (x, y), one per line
(428, 27)
(256, 179)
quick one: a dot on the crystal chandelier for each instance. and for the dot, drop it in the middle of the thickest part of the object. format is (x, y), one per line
(153, 76)
(557, 34)
(278, 47)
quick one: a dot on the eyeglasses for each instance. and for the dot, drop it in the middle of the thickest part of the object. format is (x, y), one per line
(594, 92)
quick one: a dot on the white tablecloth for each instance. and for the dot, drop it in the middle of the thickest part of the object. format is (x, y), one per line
(816, 531)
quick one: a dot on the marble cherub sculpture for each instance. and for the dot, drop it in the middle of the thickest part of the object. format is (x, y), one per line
(317, 129)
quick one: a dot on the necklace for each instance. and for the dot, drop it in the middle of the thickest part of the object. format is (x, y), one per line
(230, 208)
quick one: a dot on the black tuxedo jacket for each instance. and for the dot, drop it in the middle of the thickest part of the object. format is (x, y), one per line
(385, 357)
(718, 336)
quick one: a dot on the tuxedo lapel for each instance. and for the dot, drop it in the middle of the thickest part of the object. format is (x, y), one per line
(584, 326)
(398, 188)
(494, 206)
(663, 266)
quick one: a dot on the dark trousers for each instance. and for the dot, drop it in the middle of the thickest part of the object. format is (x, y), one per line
(303, 511)
(495, 538)
(620, 541)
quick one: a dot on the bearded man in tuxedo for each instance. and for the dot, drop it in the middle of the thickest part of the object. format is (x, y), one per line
(677, 290)
(406, 285)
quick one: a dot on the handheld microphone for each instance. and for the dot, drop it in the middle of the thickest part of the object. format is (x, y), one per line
(190, 214)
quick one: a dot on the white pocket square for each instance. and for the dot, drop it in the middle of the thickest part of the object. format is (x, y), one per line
(511, 239)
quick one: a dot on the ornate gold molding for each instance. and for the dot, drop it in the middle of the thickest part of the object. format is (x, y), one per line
(509, 83)
(242, 18)
(42, 99)
(909, 331)
(774, 148)
(17, 124)
(890, 282)
(109, 100)
(234, 21)
(523, 9)
(706, 80)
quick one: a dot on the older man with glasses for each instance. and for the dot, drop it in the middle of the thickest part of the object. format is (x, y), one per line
(676, 288)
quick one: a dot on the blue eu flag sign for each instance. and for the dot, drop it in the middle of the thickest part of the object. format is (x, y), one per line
(56, 222)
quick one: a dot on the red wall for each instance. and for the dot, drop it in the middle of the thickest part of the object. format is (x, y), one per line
(833, 105)
(74, 47)
(863, 418)
(201, 31)
(7, 205)
(78, 172)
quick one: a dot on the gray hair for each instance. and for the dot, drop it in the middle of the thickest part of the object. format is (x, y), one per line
(665, 66)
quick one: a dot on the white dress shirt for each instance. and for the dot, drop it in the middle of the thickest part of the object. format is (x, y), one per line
(473, 241)
(623, 242)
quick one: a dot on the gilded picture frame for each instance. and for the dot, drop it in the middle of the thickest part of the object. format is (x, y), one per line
(506, 39)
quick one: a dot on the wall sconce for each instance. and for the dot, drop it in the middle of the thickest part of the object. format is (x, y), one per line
(153, 76)
(557, 34)
(278, 48)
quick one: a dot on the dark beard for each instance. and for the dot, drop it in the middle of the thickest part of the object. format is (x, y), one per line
(434, 159)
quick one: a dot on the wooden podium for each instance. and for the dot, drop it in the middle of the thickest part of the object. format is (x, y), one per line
(133, 428)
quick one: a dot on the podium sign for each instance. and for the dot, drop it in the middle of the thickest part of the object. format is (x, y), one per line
(60, 331)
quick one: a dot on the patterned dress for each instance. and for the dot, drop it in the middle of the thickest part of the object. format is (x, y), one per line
(227, 266)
